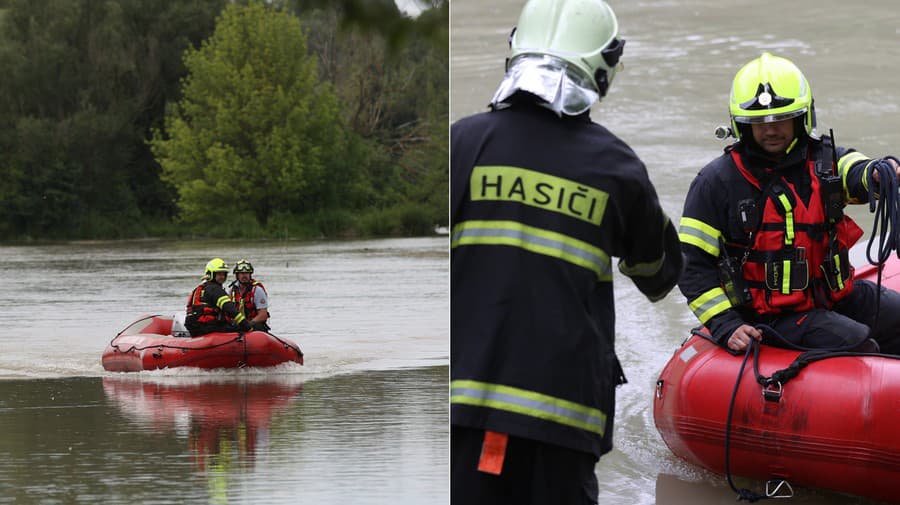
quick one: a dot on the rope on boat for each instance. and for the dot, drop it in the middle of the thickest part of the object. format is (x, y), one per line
(114, 345)
(743, 493)
(238, 338)
(295, 347)
(772, 388)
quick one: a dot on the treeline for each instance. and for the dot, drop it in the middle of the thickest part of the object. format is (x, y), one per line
(302, 118)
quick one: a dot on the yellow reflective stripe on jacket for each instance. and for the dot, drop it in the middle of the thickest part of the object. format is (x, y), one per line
(844, 165)
(528, 403)
(221, 303)
(710, 304)
(697, 233)
(533, 239)
(537, 189)
(788, 218)
(222, 300)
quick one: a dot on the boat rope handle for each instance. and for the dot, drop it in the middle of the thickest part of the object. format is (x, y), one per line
(772, 492)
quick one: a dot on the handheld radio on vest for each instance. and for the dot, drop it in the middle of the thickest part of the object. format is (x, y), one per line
(731, 276)
(832, 186)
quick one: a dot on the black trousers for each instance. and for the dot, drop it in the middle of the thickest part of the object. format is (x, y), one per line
(850, 323)
(533, 473)
(200, 329)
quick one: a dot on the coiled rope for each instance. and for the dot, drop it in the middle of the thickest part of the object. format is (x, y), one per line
(885, 204)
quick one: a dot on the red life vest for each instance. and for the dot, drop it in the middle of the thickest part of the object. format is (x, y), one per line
(245, 300)
(797, 261)
(200, 311)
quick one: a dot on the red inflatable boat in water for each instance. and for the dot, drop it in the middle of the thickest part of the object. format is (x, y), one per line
(151, 343)
(832, 426)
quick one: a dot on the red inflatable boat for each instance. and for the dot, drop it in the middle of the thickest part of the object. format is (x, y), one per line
(151, 343)
(833, 426)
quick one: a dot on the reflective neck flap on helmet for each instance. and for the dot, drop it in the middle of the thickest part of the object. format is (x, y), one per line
(561, 89)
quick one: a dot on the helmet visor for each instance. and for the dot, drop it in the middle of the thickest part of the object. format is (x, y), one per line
(769, 118)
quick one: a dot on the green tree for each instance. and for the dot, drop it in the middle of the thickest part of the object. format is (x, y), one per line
(255, 132)
(393, 90)
(83, 81)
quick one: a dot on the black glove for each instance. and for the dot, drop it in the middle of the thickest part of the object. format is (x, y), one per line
(260, 326)
(245, 326)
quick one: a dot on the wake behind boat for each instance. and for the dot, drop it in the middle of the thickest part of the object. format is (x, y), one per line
(832, 426)
(154, 342)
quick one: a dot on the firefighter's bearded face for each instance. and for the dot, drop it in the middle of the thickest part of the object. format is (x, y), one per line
(775, 137)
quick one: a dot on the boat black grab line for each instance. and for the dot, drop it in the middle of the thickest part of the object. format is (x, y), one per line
(295, 347)
(744, 493)
(239, 338)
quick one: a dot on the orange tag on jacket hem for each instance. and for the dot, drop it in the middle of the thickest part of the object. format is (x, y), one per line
(493, 450)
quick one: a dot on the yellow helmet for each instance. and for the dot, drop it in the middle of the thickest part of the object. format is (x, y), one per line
(769, 89)
(215, 265)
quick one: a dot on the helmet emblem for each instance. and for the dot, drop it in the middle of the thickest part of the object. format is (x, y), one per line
(764, 99)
